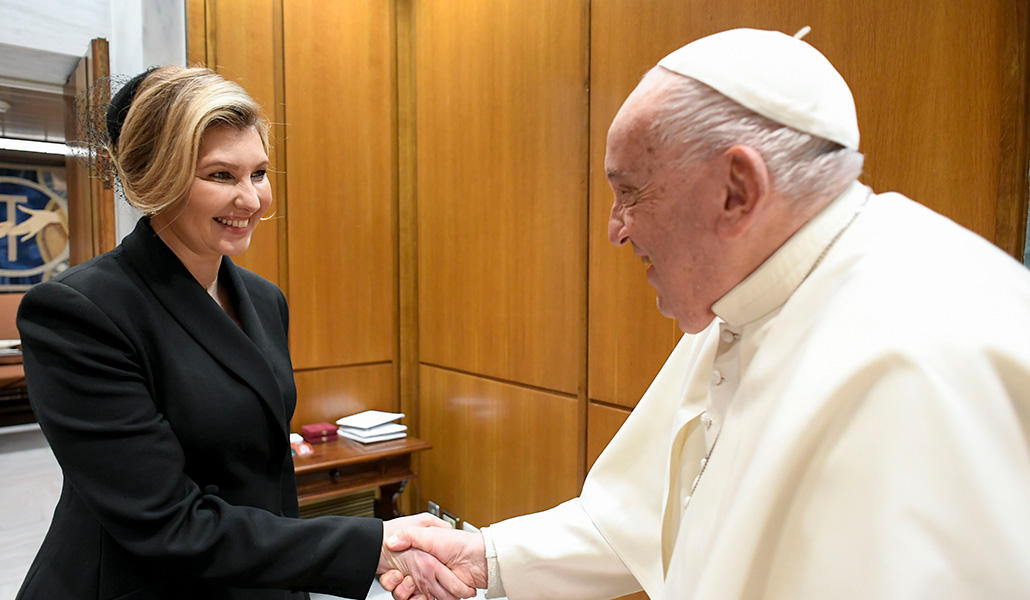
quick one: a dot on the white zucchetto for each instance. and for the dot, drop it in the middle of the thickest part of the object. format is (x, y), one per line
(775, 75)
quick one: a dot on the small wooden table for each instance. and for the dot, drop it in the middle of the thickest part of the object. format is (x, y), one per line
(14, 396)
(343, 467)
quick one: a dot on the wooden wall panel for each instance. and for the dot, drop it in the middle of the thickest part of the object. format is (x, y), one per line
(603, 422)
(928, 95)
(324, 395)
(501, 126)
(340, 120)
(629, 339)
(242, 50)
(499, 450)
(927, 79)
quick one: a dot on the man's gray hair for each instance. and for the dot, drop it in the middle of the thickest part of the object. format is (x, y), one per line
(803, 167)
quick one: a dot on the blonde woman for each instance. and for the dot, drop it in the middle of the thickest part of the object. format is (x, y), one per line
(161, 376)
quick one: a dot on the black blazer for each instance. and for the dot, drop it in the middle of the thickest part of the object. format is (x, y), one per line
(171, 424)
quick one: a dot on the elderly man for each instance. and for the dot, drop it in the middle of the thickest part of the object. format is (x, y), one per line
(850, 415)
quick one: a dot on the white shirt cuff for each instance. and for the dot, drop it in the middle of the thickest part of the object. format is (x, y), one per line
(494, 585)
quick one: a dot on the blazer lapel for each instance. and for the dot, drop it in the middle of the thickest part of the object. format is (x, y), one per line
(191, 306)
(256, 331)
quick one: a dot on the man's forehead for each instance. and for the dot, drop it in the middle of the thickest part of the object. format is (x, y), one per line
(641, 108)
(644, 98)
(630, 137)
(622, 150)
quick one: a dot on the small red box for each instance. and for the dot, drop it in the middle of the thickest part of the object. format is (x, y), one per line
(317, 433)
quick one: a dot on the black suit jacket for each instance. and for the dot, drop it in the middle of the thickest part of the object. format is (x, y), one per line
(171, 424)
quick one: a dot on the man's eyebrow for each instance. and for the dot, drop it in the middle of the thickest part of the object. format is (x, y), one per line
(614, 174)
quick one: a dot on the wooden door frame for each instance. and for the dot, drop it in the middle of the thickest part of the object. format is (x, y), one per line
(91, 217)
(1014, 168)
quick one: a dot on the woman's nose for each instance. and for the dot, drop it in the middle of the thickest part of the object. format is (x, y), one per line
(247, 197)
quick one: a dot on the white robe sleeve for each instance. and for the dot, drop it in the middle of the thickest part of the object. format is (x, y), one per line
(557, 553)
(607, 542)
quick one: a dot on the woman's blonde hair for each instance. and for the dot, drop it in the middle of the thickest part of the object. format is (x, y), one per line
(156, 151)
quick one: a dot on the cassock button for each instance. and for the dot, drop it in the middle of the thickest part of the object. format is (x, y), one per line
(686, 501)
(717, 378)
(704, 461)
(728, 336)
(706, 420)
(211, 490)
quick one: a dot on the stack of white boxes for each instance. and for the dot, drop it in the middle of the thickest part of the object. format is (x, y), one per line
(372, 426)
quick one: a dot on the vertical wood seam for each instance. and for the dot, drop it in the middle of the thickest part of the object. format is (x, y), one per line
(407, 229)
(279, 127)
(584, 333)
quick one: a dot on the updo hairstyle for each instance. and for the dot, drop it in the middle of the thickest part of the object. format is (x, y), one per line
(155, 143)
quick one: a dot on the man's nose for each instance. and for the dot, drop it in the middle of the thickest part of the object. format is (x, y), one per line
(617, 233)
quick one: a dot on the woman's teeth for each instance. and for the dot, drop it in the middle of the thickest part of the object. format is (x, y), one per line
(233, 223)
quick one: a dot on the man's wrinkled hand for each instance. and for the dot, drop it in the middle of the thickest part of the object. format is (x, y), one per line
(426, 576)
(464, 553)
(402, 587)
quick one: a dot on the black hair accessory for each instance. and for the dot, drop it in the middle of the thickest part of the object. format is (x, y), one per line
(98, 121)
(119, 106)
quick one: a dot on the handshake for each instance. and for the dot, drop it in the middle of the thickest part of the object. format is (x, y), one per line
(424, 558)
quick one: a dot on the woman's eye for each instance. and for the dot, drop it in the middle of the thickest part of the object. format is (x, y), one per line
(220, 176)
(258, 175)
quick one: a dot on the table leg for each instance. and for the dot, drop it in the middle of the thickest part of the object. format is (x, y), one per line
(386, 505)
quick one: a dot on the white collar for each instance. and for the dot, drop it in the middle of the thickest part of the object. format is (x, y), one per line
(772, 283)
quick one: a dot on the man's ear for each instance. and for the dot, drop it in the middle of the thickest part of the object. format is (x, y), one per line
(747, 188)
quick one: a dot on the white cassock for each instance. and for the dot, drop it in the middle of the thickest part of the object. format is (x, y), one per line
(865, 396)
